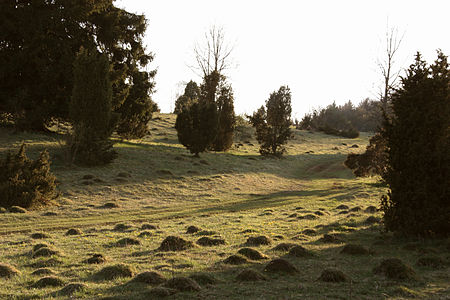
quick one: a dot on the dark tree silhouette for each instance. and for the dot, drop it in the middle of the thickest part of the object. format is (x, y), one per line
(418, 148)
(38, 46)
(90, 110)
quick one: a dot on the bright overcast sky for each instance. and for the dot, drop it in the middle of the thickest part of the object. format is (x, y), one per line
(323, 50)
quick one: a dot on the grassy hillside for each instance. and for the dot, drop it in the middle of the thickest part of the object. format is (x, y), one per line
(230, 196)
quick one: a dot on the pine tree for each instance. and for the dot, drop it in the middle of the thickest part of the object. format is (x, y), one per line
(273, 122)
(90, 110)
(417, 137)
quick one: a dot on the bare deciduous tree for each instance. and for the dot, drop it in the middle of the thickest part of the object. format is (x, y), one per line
(390, 76)
(214, 55)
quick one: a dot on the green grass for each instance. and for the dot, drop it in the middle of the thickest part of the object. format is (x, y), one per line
(222, 192)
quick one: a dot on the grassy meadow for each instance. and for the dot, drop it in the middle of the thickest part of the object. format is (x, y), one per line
(156, 188)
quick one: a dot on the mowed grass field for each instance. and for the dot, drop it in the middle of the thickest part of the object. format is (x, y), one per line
(156, 189)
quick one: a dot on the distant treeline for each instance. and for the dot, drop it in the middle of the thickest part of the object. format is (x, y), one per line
(344, 120)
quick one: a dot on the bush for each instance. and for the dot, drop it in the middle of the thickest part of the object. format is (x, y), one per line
(90, 110)
(25, 182)
(371, 162)
(418, 142)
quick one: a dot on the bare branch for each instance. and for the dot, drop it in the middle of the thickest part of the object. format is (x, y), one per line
(214, 55)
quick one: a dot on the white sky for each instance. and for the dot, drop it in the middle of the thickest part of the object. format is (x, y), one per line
(324, 50)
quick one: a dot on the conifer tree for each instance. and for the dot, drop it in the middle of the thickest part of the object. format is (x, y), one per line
(39, 44)
(273, 122)
(417, 137)
(226, 119)
(196, 126)
(90, 110)
(191, 95)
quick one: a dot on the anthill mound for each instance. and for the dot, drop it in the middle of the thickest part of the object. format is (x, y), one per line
(370, 209)
(96, 258)
(372, 220)
(109, 205)
(174, 243)
(250, 275)
(192, 229)
(258, 241)
(309, 232)
(430, 261)
(121, 227)
(127, 242)
(284, 247)
(48, 281)
(394, 268)
(144, 234)
(39, 236)
(113, 272)
(299, 251)
(160, 292)
(342, 207)
(207, 241)
(183, 284)
(71, 289)
(235, 260)
(149, 277)
(39, 246)
(44, 252)
(204, 279)
(333, 275)
(17, 210)
(331, 238)
(74, 231)
(354, 249)
(7, 271)
(43, 271)
(308, 217)
(280, 265)
(44, 263)
(252, 254)
(147, 226)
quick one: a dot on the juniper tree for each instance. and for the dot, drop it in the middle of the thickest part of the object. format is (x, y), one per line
(90, 110)
(226, 119)
(191, 94)
(25, 182)
(418, 151)
(196, 126)
(273, 122)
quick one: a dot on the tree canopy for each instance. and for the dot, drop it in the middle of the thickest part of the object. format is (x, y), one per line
(38, 46)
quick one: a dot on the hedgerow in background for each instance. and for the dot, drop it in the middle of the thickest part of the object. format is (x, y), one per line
(90, 110)
(418, 147)
(25, 182)
(273, 122)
